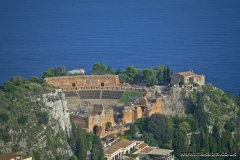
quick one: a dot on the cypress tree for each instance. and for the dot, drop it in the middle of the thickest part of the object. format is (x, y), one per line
(168, 74)
(97, 150)
(165, 74)
(179, 142)
(206, 143)
(198, 145)
(80, 145)
(193, 143)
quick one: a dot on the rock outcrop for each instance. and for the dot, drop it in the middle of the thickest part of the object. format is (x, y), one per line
(57, 106)
(173, 101)
(50, 138)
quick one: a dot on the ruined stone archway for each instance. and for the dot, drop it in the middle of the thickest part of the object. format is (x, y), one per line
(97, 130)
(144, 112)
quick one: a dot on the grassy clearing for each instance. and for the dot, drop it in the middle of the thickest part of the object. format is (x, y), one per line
(129, 95)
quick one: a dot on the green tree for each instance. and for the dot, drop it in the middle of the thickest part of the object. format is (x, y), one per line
(205, 147)
(99, 69)
(184, 126)
(108, 125)
(6, 138)
(60, 71)
(230, 126)
(149, 138)
(227, 142)
(9, 87)
(37, 155)
(97, 151)
(23, 119)
(160, 73)
(73, 158)
(110, 70)
(89, 139)
(131, 73)
(229, 94)
(212, 145)
(159, 126)
(193, 143)
(192, 148)
(179, 142)
(165, 74)
(141, 124)
(119, 71)
(133, 130)
(58, 157)
(149, 77)
(42, 118)
(4, 117)
(48, 73)
(80, 144)
(168, 74)
(123, 78)
(15, 148)
(18, 80)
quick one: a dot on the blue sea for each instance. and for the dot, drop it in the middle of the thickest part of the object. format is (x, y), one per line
(36, 35)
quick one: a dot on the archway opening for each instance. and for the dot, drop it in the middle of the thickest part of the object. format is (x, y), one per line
(142, 108)
(96, 130)
(73, 84)
(102, 84)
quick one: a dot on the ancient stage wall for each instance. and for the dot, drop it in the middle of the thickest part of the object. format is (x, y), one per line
(84, 81)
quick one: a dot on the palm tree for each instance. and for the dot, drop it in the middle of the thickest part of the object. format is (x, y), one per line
(108, 125)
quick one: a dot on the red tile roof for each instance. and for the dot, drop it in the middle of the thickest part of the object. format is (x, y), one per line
(146, 150)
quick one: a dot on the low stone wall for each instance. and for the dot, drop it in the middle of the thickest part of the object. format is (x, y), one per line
(116, 88)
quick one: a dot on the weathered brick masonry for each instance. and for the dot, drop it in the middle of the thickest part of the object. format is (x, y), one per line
(96, 120)
(71, 83)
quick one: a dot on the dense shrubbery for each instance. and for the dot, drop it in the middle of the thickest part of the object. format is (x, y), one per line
(81, 141)
(23, 119)
(55, 72)
(205, 110)
(4, 117)
(19, 113)
(42, 118)
(147, 76)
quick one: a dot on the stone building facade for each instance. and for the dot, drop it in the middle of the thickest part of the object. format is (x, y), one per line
(188, 78)
(102, 87)
(97, 119)
(70, 83)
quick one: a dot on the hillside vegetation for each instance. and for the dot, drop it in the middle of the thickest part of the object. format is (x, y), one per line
(25, 122)
(28, 126)
(211, 124)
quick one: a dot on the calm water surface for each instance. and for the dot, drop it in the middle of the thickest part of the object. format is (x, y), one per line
(205, 35)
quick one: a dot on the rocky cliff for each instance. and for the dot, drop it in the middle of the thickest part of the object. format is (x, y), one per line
(57, 106)
(36, 123)
(173, 100)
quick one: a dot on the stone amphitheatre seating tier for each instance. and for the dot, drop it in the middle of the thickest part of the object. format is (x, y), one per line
(112, 94)
(96, 94)
(89, 94)
(115, 88)
(70, 94)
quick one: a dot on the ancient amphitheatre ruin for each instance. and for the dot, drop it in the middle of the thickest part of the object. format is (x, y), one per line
(94, 100)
